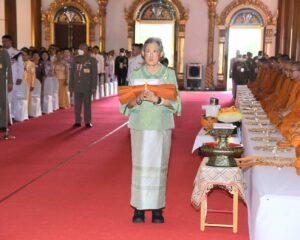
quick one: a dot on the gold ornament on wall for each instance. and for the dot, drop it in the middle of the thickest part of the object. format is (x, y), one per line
(49, 15)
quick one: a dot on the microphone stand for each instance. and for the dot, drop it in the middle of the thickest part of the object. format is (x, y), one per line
(6, 136)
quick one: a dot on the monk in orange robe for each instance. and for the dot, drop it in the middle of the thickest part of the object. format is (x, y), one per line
(270, 83)
(283, 82)
(290, 97)
(262, 69)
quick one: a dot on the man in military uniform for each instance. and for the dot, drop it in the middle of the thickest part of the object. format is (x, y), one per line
(83, 83)
(121, 67)
(5, 75)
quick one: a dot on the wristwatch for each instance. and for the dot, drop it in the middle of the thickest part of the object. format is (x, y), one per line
(158, 101)
(139, 102)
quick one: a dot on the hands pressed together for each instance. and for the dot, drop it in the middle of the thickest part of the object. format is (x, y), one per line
(147, 95)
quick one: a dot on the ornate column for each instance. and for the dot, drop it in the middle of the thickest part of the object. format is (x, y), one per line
(130, 22)
(209, 78)
(102, 23)
(180, 48)
(36, 27)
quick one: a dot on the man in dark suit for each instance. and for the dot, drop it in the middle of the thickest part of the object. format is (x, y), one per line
(83, 83)
(121, 67)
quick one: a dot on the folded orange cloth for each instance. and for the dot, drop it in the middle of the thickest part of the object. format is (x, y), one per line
(128, 93)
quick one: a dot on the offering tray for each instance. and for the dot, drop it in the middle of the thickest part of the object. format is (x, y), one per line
(252, 112)
(257, 117)
(258, 123)
(273, 149)
(267, 139)
(270, 130)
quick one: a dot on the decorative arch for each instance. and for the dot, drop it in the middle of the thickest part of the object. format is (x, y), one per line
(164, 10)
(253, 13)
(48, 19)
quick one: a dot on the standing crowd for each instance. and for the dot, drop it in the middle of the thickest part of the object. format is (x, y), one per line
(41, 78)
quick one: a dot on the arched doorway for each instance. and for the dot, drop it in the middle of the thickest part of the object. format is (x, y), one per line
(64, 12)
(246, 34)
(69, 27)
(162, 18)
(244, 18)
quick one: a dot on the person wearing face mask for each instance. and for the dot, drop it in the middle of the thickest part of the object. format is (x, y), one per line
(83, 83)
(121, 67)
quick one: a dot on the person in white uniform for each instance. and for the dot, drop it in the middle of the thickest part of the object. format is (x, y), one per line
(18, 96)
(136, 61)
(100, 68)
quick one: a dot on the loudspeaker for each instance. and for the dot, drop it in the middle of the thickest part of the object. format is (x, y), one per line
(193, 76)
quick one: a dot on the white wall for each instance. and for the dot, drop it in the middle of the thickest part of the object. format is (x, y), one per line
(116, 25)
(2, 18)
(196, 29)
(23, 23)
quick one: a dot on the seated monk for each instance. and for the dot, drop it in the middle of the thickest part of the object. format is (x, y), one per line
(284, 104)
(283, 82)
(282, 96)
(271, 82)
(290, 119)
(262, 69)
(253, 85)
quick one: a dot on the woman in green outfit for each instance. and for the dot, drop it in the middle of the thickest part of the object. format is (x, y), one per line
(150, 122)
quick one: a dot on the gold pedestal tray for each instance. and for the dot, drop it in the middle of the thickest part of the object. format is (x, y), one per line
(222, 155)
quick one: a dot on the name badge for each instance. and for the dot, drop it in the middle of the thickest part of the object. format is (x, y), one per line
(1, 66)
(86, 70)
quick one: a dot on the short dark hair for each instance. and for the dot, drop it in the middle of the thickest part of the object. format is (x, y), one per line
(8, 37)
(26, 50)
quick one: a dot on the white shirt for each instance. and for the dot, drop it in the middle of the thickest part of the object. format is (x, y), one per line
(100, 63)
(134, 63)
(17, 66)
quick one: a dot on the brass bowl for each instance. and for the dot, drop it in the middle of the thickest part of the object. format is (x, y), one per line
(209, 151)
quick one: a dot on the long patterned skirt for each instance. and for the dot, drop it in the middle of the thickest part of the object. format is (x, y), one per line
(150, 160)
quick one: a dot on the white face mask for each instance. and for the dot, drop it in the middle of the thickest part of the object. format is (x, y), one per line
(80, 52)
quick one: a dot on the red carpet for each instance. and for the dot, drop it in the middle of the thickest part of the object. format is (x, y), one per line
(60, 183)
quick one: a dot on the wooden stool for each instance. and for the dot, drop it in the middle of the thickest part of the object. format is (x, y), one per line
(234, 212)
(231, 179)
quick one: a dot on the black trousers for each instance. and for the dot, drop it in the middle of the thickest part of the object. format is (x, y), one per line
(85, 100)
(121, 79)
(3, 109)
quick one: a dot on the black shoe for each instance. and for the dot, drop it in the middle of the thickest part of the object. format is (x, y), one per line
(88, 125)
(3, 129)
(157, 216)
(76, 125)
(139, 216)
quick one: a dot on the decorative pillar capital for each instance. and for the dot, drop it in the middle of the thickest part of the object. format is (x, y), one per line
(102, 7)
